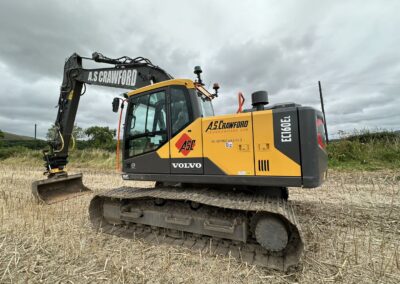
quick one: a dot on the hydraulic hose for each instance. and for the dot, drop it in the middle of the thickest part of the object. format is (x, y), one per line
(62, 143)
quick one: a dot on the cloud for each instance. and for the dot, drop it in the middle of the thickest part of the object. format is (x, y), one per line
(284, 48)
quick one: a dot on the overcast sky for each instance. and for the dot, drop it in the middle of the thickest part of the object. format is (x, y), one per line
(284, 47)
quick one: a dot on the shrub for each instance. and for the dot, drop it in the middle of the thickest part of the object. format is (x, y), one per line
(7, 152)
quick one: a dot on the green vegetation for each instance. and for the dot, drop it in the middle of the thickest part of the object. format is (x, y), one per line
(77, 132)
(98, 137)
(12, 143)
(97, 149)
(366, 151)
(87, 158)
(11, 136)
(358, 151)
(29, 144)
(101, 137)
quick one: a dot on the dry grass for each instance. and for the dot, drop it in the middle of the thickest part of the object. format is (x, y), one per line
(351, 226)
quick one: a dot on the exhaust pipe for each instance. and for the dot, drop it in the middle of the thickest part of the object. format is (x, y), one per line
(57, 189)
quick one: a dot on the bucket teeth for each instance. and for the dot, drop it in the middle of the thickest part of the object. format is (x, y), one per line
(57, 189)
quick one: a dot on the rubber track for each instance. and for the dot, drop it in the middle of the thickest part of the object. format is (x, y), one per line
(251, 252)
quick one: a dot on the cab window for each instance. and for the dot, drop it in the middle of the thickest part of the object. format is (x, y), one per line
(180, 110)
(205, 104)
(147, 129)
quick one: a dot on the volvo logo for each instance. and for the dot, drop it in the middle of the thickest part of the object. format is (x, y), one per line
(186, 165)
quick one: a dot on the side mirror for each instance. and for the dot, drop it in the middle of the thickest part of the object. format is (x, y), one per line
(115, 104)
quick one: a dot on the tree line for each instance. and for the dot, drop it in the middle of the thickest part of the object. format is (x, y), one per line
(93, 137)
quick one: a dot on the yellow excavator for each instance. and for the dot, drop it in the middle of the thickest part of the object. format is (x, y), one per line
(221, 180)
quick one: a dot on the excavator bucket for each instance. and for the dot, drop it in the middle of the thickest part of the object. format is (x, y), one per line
(58, 189)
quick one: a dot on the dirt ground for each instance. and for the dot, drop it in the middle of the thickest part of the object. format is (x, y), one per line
(351, 228)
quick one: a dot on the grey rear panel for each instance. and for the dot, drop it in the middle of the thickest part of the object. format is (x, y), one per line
(314, 160)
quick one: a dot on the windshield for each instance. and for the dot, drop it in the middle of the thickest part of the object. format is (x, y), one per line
(205, 105)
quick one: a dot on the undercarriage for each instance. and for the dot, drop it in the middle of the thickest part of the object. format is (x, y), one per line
(250, 226)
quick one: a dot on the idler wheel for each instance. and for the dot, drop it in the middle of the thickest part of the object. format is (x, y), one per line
(271, 233)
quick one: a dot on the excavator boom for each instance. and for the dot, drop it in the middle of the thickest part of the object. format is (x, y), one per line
(127, 73)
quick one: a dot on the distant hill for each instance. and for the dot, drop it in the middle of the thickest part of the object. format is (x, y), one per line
(12, 136)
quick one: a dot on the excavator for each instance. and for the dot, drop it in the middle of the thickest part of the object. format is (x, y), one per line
(221, 181)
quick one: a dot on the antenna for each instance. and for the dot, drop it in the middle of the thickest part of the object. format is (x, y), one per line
(323, 110)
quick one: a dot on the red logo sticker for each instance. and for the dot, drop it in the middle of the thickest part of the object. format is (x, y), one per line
(185, 144)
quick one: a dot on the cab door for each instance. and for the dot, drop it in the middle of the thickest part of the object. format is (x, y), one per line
(186, 151)
(146, 130)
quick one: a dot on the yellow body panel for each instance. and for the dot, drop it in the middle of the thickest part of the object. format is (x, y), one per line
(279, 164)
(228, 143)
(191, 136)
(163, 152)
(234, 143)
(182, 82)
(192, 142)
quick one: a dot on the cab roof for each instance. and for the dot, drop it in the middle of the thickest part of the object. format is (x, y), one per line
(183, 82)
